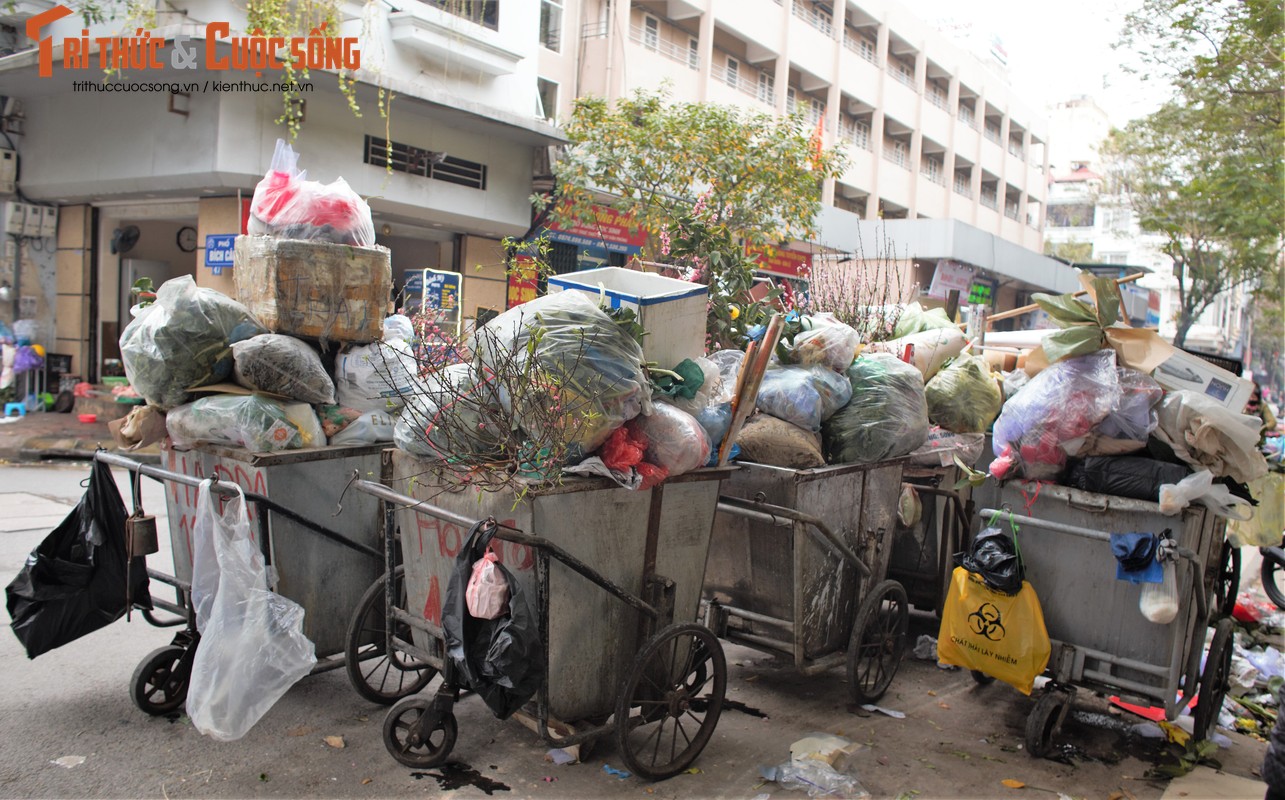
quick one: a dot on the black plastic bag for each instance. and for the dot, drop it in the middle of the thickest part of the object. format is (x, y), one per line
(1124, 476)
(500, 659)
(74, 582)
(995, 559)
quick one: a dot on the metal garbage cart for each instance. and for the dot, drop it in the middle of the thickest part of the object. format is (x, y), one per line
(629, 660)
(797, 564)
(1100, 639)
(324, 568)
(922, 552)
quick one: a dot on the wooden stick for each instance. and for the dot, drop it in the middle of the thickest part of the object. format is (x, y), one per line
(750, 378)
(1017, 312)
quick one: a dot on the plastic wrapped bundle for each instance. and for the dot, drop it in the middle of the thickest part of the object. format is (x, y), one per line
(803, 396)
(916, 319)
(964, 397)
(288, 206)
(271, 362)
(1136, 416)
(887, 416)
(595, 366)
(378, 376)
(930, 349)
(257, 423)
(675, 440)
(824, 341)
(183, 341)
(448, 418)
(1049, 419)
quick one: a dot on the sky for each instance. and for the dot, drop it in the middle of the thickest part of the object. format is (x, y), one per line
(1058, 50)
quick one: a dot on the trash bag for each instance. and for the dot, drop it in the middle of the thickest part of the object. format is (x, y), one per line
(257, 423)
(675, 440)
(916, 319)
(1135, 418)
(372, 427)
(27, 359)
(717, 421)
(930, 349)
(288, 206)
(1001, 635)
(1207, 435)
(1199, 487)
(487, 595)
(823, 341)
(1264, 530)
(764, 439)
(595, 365)
(500, 659)
(284, 365)
(803, 396)
(964, 397)
(1048, 420)
(378, 376)
(75, 581)
(994, 557)
(252, 647)
(183, 341)
(942, 447)
(729, 367)
(446, 418)
(1123, 476)
(887, 416)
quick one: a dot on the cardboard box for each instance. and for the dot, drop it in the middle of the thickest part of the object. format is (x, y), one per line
(671, 311)
(315, 290)
(1185, 371)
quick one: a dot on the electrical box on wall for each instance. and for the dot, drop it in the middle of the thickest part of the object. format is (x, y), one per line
(31, 221)
(13, 215)
(48, 221)
(8, 171)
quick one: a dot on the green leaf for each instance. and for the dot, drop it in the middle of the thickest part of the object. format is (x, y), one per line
(1070, 342)
(1065, 309)
(1108, 305)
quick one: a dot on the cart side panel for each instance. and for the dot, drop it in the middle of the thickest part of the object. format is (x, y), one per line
(878, 517)
(830, 588)
(1083, 603)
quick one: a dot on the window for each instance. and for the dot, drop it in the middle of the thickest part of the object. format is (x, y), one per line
(551, 24)
(482, 12)
(733, 73)
(424, 163)
(651, 33)
(548, 99)
(693, 54)
(766, 87)
(866, 49)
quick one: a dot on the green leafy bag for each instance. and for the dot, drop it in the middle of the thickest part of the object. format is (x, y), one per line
(964, 397)
(887, 416)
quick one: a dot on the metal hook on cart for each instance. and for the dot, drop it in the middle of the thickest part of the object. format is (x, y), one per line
(339, 504)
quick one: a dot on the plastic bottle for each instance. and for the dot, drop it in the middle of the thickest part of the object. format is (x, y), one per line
(1159, 601)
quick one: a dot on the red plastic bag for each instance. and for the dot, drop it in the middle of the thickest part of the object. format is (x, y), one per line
(287, 206)
(487, 595)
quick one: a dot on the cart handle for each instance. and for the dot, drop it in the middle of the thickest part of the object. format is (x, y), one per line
(766, 512)
(224, 488)
(508, 534)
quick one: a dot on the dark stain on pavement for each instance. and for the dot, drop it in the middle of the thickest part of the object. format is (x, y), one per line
(456, 775)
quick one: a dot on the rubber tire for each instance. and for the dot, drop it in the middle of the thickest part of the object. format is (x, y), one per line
(1213, 681)
(1228, 579)
(434, 756)
(981, 678)
(372, 597)
(637, 674)
(1041, 722)
(1271, 568)
(868, 614)
(164, 658)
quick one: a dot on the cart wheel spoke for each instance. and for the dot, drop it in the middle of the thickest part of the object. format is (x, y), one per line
(877, 642)
(367, 642)
(411, 746)
(665, 683)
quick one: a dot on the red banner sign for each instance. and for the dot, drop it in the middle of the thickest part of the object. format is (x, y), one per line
(608, 225)
(524, 281)
(778, 260)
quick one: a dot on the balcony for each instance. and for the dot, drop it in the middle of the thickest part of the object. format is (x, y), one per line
(990, 200)
(649, 39)
(452, 39)
(931, 168)
(812, 111)
(1010, 210)
(902, 73)
(963, 186)
(861, 46)
(763, 92)
(855, 133)
(936, 96)
(898, 153)
(991, 132)
(967, 116)
(814, 17)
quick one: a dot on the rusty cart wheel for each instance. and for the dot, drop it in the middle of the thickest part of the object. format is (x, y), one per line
(412, 746)
(377, 675)
(160, 681)
(1213, 681)
(671, 700)
(878, 641)
(1045, 721)
(981, 678)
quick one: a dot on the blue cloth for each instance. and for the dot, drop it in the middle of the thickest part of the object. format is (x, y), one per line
(1135, 555)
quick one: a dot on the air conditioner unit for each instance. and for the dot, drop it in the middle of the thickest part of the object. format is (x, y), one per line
(31, 221)
(49, 221)
(13, 215)
(8, 171)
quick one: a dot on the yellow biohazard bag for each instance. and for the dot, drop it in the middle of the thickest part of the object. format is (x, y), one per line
(998, 634)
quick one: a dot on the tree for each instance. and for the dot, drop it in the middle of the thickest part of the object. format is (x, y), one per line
(656, 157)
(1205, 170)
(1073, 251)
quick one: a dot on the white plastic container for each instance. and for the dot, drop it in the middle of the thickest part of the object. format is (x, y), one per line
(671, 311)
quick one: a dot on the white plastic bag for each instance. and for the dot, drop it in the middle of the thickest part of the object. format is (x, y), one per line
(252, 646)
(487, 594)
(378, 376)
(1199, 487)
(370, 428)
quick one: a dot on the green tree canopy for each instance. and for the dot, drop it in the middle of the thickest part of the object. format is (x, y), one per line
(656, 157)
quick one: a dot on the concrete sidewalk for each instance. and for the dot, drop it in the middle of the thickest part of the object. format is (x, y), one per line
(42, 435)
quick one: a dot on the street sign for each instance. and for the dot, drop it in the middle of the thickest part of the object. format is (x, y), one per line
(218, 251)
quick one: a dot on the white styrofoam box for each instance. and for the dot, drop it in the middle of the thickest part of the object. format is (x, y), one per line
(13, 214)
(49, 221)
(1182, 370)
(671, 311)
(31, 221)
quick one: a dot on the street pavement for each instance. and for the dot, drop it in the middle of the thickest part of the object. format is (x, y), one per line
(69, 727)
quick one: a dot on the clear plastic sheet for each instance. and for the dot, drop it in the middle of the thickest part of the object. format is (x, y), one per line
(887, 416)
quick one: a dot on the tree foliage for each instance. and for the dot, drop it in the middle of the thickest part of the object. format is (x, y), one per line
(656, 157)
(1205, 170)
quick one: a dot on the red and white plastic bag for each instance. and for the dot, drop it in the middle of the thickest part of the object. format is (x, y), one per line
(288, 206)
(487, 594)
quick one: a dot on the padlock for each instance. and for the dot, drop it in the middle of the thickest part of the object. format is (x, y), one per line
(141, 530)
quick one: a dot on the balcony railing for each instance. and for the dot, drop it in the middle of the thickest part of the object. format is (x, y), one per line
(683, 55)
(898, 154)
(856, 133)
(811, 113)
(937, 97)
(931, 169)
(902, 73)
(991, 133)
(814, 17)
(743, 84)
(1015, 148)
(990, 200)
(861, 46)
(1010, 210)
(967, 116)
(594, 30)
(963, 186)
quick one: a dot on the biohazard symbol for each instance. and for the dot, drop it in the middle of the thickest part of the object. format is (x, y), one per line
(985, 621)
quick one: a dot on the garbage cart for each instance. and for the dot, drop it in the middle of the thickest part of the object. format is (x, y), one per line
(617, 574)
(923, 548)
(1100, 639)
(797, 566)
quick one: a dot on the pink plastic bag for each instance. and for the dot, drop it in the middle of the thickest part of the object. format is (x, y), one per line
(487, 595)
